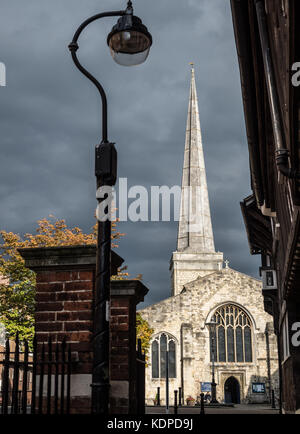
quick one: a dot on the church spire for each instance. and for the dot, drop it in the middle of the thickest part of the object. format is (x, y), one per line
(195, 255)
(195, 229)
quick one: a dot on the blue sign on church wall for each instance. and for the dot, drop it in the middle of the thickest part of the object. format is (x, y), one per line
(258, 388)
(205, 387)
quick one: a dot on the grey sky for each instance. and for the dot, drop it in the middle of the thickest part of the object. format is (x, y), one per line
(50, 121)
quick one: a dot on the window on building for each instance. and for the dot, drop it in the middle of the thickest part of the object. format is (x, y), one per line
(161, 344)
(233, 335)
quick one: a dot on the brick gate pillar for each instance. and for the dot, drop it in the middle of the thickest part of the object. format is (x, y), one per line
(65, 279)
(125, 295)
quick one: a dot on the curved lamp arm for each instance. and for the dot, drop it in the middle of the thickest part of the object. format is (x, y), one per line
(73, 47)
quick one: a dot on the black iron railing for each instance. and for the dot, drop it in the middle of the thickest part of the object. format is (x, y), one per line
(37, 381)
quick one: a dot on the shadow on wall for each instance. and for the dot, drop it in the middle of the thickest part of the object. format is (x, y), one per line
(260, 387)
(255, 393)
(259, 390)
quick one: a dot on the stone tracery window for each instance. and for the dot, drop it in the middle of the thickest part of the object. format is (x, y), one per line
(161, 344)
(233, 337)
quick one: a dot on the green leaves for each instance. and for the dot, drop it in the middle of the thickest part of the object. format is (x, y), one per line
(143, 332)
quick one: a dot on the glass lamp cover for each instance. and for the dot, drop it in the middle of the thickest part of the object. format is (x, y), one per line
(129, 47)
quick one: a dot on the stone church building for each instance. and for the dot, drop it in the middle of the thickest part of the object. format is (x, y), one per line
(204, 290)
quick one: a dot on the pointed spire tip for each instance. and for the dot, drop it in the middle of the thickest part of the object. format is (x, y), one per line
(194, 231)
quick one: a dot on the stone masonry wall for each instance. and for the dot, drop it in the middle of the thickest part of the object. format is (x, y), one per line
(192, 309)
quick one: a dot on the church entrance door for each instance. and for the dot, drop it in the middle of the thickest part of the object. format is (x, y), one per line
(232, 391)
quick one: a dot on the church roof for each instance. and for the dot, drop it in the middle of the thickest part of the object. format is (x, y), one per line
(214, 276)
(220, 273)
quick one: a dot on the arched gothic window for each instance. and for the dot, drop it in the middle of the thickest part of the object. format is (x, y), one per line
(233, 335)
(161, 344)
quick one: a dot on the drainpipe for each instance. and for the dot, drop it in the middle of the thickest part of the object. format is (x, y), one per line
(281, 152)
(277, 325)
(279, 372)
(268, 363)
(276, 316)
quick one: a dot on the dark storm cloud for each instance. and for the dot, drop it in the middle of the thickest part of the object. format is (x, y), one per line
(50, 121)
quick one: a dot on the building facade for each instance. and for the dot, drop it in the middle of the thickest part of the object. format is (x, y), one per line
(243, 345)
(268, 48)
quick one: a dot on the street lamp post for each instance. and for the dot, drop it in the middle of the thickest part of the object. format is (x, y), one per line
(212, 329)
(129, 43)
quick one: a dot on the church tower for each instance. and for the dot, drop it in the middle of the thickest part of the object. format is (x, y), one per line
(195, 255)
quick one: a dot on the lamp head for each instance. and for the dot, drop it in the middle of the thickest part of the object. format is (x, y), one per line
(129, 40)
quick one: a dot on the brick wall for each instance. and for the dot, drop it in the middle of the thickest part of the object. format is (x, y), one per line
(64, 310)
(125, 295)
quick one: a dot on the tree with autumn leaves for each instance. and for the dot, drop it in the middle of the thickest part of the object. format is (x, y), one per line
(144, 332)
(17, 283)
